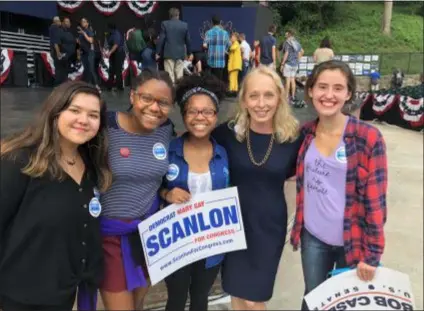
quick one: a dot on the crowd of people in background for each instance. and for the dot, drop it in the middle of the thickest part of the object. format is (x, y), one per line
(226, 55)
(67, 48)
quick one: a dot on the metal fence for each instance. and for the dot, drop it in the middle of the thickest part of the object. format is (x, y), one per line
(364, 64)
(409, 63)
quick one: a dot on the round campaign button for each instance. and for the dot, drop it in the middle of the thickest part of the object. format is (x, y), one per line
(94, 207)
(341, 155)
(159, 151)
(173, 171)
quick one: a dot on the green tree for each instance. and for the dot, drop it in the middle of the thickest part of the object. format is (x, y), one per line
(306, 16)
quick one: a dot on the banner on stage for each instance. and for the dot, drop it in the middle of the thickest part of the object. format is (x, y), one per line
(389, 290)
(181, 234)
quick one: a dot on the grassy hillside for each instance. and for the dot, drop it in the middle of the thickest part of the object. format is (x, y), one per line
(358, 31)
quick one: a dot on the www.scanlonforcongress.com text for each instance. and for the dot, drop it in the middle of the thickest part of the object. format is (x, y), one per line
(195, 250)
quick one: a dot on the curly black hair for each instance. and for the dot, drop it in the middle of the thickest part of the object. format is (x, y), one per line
(204, 80)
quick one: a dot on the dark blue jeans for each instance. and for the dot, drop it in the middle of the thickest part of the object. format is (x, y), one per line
(318, 260)
(90, 74)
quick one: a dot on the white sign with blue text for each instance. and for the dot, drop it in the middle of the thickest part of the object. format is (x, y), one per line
(180, 234)
(389, 290)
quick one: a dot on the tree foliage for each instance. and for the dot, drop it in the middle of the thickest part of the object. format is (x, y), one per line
(306, 16)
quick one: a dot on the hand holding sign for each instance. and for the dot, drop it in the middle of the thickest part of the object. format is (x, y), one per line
(389, 290)
(365, 272)
(177, 196)
(209, 224)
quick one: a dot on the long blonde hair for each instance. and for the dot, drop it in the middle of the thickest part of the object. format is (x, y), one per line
(41, 138)
(285, 125)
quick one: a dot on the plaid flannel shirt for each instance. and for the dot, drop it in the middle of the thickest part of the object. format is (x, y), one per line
(218, 42)
(366, 187)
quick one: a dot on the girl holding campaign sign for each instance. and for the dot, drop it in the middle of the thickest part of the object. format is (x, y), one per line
(197, 164)
(262, 144)
(50, 242)
(341, 183)
(139, 141)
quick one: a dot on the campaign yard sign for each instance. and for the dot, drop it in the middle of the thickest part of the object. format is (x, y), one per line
(181, 234)
(389, 290)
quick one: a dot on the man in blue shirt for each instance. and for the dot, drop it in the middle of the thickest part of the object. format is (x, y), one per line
(217, 42)
(267, 54)
(116, 56)
(292, 53)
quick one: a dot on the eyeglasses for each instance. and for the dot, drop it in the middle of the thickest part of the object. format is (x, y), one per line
(207, 113)
(149, 100)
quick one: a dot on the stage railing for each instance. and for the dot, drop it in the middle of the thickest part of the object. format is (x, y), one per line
(25, 43)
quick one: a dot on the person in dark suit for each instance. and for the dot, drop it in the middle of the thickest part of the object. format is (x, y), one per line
(174, 44)
(116, 56)
(54, 34)
(63, 49)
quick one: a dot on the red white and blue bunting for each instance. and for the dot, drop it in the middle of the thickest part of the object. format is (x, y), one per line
(384, 102)
(77, 69)
(411, 109)
(141, 8)
(103, 69)
(70, 6)
(6, 59)
(135, 68)
(107, 7)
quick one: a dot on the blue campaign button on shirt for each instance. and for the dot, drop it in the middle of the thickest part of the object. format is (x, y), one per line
(159, 151)
(341, 155)
(94, 207)
(173, 171)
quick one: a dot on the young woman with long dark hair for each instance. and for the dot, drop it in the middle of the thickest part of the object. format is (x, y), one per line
(51, 175)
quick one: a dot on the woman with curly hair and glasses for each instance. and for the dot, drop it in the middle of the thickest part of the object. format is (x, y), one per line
(51, 174)
(197, 164)
(262, 142)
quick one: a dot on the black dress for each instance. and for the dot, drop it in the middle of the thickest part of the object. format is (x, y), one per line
(250, 273)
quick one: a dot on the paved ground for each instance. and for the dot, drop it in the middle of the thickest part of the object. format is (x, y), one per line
(404, 229)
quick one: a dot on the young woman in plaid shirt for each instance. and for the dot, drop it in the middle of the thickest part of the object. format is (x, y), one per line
(341, 183)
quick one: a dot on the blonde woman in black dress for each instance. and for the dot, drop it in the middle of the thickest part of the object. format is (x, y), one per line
(262, 142)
